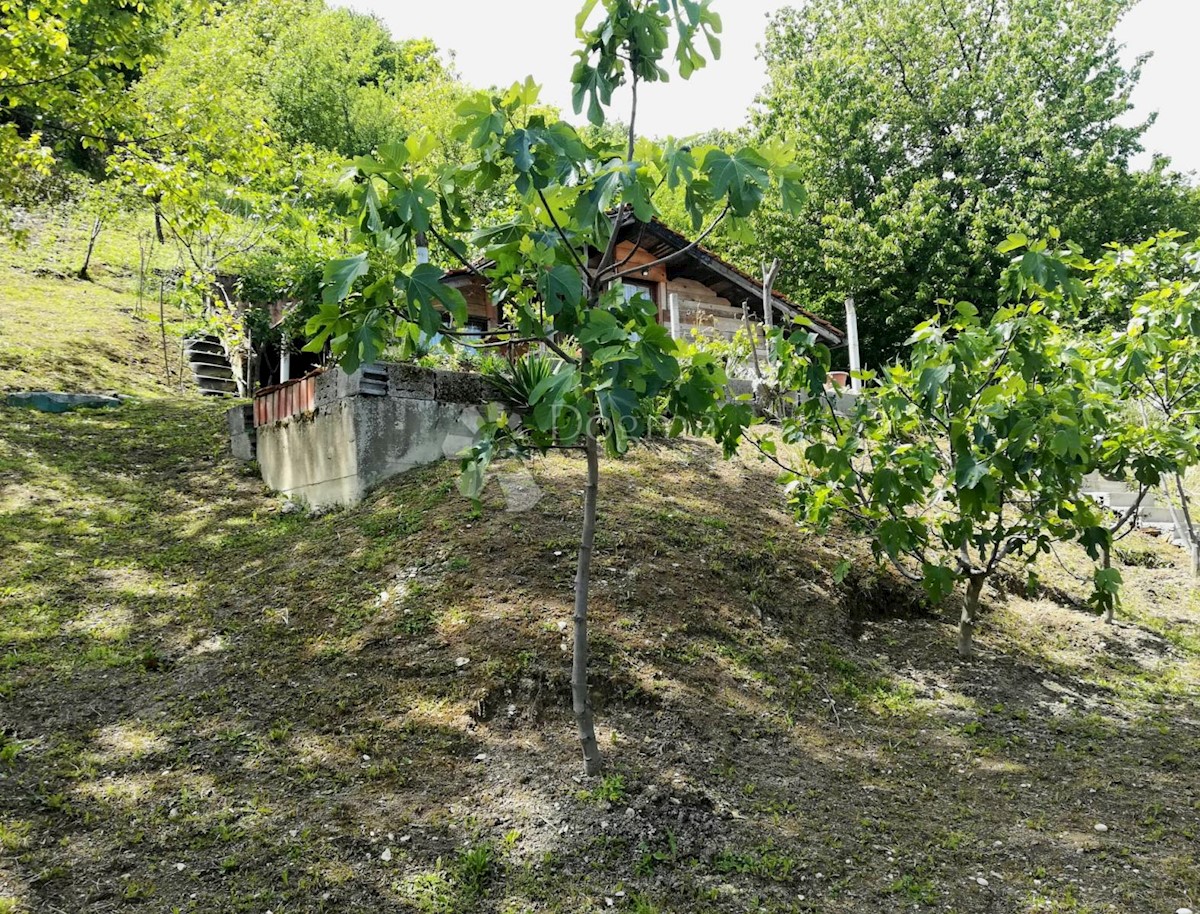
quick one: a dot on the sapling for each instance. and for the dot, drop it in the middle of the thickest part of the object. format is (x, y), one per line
(554, 265)
(966, 456)
(1148, 369)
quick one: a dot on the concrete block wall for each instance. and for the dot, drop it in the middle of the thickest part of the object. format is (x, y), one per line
(366, 427)
(360, 433)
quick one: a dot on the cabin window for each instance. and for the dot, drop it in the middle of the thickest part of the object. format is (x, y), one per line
(633, 288)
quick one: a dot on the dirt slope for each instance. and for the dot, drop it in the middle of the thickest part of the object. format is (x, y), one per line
(209, 704)
(212, 705)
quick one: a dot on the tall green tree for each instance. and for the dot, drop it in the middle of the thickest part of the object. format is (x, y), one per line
(338, 81)
(65, 69)
(928, 130)
(246, 120)
(605, 366)
(322, 77)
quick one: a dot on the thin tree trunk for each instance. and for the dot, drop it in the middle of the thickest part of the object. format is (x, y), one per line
(1110, 610)
(769, 273)
(1192, 541)
(580, 699)
(141, 293)
(97, 225)
(753, 338)
(970, 612)
(162, 329)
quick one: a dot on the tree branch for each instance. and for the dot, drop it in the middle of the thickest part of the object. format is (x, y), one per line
(1124, 519)
(634, 249)
(669, 257)
(563, 235)
(4, 87)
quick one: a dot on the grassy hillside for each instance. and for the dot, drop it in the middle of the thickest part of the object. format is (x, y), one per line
(60, 333)
(210, 704)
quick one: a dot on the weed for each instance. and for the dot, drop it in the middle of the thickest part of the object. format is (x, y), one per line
(13, 835)
(137, 891)
(430, 893)
(475, 870)
(915, 889)
(611, 789)
(9, 749)
(763, 862)
(649, 859)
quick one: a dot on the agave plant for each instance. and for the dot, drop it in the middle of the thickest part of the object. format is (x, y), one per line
(517, 380)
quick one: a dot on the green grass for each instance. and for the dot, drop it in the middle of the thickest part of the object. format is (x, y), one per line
(762, 862)
(60, 333)
(611, 789)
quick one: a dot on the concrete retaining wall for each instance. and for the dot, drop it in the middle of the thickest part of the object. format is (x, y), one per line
(359, 434)
(362, 428)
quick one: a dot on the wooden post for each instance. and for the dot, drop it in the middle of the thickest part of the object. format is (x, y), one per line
(673, 305)
(769, 281)
(753, 338)
(162, 329)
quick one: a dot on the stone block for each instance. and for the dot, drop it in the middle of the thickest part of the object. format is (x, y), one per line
(354, 441)
(241, 431)
(461, 387)
(410, 382)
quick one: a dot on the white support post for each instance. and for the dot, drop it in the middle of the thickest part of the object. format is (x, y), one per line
(422, 248)
(852, 344)
(285, 361)
(673, 305)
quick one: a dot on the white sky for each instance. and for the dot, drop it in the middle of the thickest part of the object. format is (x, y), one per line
(496, 42)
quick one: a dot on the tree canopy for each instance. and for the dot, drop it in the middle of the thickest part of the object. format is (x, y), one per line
(929, 131)
(64, 77)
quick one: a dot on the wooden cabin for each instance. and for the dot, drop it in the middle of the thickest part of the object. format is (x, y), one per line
(697, 288)
(700, 290)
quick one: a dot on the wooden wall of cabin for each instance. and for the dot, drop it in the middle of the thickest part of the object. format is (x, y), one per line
(715, 313)
(718, 315)
(653, 276)
(479, 303)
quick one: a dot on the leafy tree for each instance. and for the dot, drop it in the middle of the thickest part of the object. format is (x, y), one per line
(338, 81)
(99, 204)
(208, 166)
(1152, 367)
(929, 131)
(317, 77)
(969, 454)
(64, 75)
(607, 366)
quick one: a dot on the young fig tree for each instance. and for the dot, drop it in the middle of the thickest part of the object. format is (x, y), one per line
(967, 456)
(1151, 367)
(552, 263)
